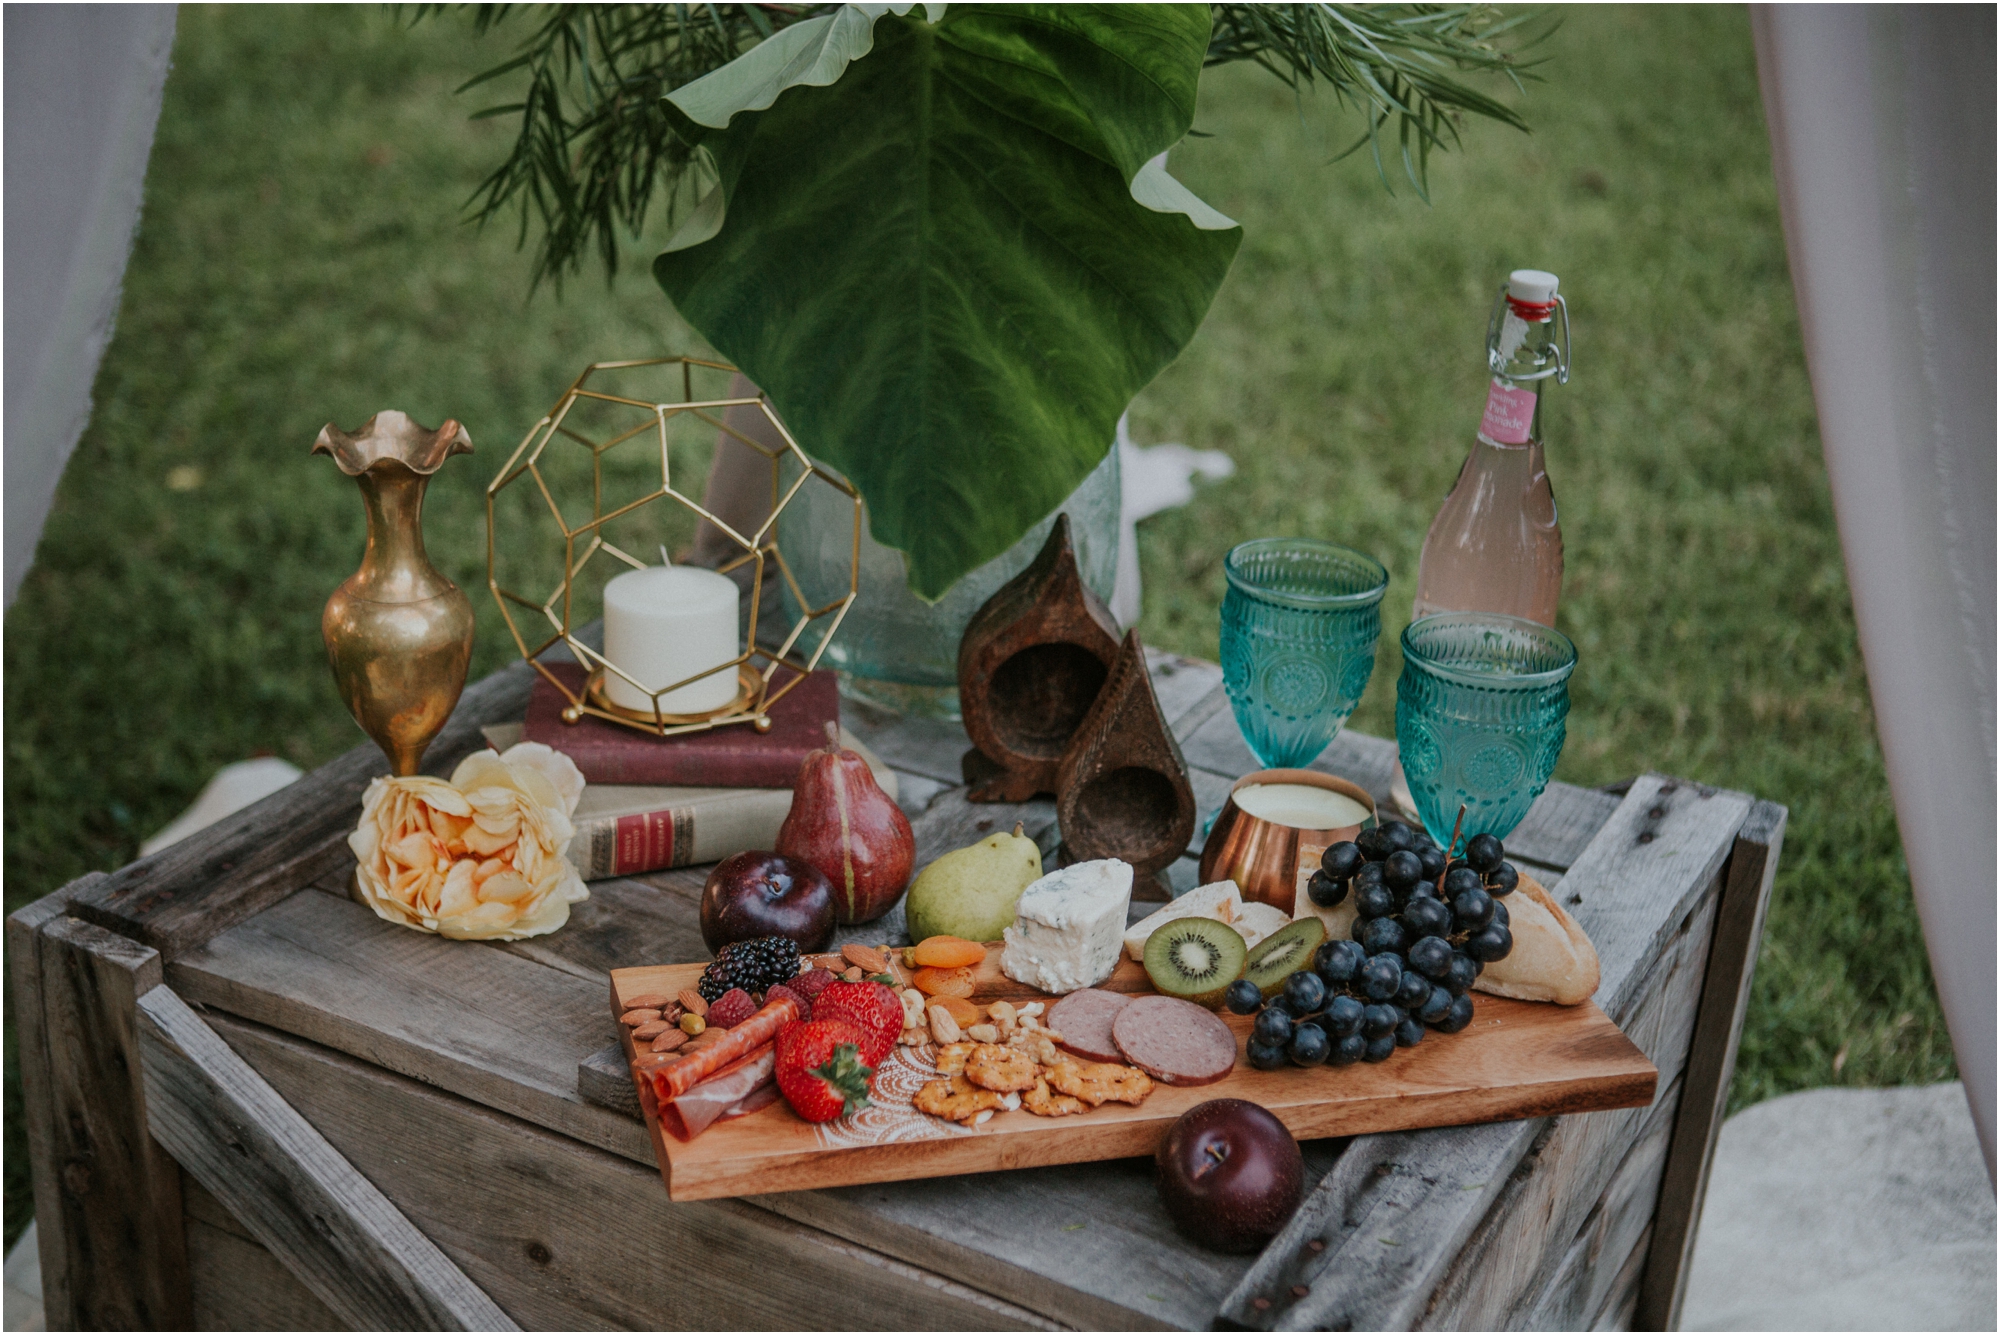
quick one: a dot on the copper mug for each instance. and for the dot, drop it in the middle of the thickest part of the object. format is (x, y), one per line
(1262, 856)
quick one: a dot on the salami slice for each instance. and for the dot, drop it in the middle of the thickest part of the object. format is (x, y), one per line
(1174, 1041)
(1083, 1018)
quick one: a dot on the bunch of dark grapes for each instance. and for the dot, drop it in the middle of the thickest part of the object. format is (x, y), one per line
(1426, 927)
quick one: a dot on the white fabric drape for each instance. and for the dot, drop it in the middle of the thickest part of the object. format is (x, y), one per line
(82, 98)
(1882, 137)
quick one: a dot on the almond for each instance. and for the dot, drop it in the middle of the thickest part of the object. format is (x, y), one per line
(649, 1062)
(649, 1031)
(650, 1001)
(852, 974)
(639, 1015)
(691, 1002)
(669, 1040)
(943, 1028)
(865, 958)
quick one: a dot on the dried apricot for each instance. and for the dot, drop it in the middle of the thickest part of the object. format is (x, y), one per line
(947, 952)
(943, 982)
(961, 1010)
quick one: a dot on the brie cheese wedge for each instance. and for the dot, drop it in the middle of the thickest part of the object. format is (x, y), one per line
(1220, 900)
(1069, 927)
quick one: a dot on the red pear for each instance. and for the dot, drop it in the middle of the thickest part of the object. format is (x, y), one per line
(844, 824)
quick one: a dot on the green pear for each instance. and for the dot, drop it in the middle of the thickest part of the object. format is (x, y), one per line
(971, 892)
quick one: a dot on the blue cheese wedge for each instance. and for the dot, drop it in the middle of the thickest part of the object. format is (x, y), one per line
(1069, 927)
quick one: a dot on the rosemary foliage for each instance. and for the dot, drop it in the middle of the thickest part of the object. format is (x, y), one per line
(597, 150)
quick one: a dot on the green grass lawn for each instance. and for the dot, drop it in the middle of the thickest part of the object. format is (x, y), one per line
(301, 259)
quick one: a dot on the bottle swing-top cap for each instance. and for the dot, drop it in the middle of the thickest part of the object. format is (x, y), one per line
(1535, 287)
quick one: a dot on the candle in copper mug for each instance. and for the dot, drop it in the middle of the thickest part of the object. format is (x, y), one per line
(1274, 820)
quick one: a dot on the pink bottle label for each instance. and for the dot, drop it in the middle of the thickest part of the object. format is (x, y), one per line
(1509, 414)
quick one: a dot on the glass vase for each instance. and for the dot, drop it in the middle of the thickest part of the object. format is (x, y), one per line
(895, 650)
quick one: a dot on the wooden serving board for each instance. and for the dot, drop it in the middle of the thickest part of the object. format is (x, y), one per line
(1516, 1059)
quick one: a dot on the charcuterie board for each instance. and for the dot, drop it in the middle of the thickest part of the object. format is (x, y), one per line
(1517, 1059)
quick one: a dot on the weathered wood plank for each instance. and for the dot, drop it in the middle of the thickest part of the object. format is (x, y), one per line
(1515, 1254)
(38, 1109)
(501, 1030)
(567, 1237)
(1746, 897)
(189, 891)
(238, 1285)
(1632, 896)
(326, 1223)
(124, 1263)
(1188, 689)
(1584, 1287)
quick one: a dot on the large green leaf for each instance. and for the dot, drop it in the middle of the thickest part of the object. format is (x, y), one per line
(951, 267)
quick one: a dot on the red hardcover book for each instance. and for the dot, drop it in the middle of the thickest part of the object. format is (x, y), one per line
(737, 756)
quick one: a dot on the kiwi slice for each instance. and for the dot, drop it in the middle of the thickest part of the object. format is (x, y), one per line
(1283, 953)
(1195, 959)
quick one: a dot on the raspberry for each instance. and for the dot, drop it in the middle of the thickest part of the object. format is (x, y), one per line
(780, 990)
(731, 1009)
(810, 983)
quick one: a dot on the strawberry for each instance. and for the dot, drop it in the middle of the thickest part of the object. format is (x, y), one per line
(820, 1069)
(869, 1007)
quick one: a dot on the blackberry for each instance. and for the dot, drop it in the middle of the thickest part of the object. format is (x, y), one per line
(754, 966)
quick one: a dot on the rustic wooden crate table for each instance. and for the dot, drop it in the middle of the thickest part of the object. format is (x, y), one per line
(252, 1103)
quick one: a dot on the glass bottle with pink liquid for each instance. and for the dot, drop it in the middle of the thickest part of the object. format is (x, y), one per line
(1495, 545)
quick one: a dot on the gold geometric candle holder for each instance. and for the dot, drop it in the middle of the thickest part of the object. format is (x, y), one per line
(589, 417)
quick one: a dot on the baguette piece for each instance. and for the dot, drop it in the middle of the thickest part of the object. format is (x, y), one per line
(1552, 959)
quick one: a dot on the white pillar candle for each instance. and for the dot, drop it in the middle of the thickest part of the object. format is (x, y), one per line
(1301, 806)
(663, 624)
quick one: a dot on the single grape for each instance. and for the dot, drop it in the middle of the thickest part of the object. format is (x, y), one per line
(1265, 1056)
(1385, 934)
(1369, 841)
(1397, 836)
(1483, 852)
(1380, 1049)
(1472, 909)
(1343, 1016)
(1500, 914)
(1431, 957)
(1347, 1050)
(1336, 961)
(1378, 1020)
(1380, 977)
(1305, 993)
(1433, 859)
(1436, 1005)
(1340, 860)
(1459, 880)
(1401, 870)
(1459, 1016)
(1490, 943)
(1427, 917)
(1463, 973)
(1375, 901)
(1325, 891)
(1502, 879)
(1273, 1025)
(1369, 873)
(1410, 1032)
(1412, 990)
(1309, 1046)
(1243, 997)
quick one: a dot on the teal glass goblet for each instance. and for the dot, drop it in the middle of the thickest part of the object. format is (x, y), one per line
(1480, 718)
(1299, 625)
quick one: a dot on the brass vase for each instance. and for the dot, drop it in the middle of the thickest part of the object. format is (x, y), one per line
(398, 633)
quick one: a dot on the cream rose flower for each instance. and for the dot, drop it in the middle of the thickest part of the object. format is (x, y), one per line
(481, 857)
